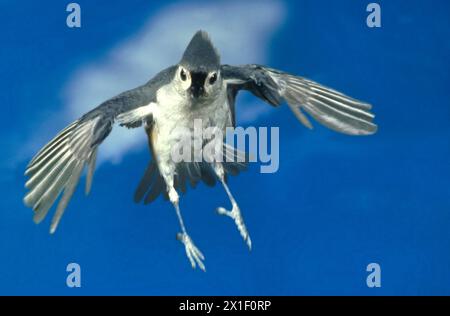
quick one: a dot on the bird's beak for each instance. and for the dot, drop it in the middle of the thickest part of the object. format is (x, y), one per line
(196, 91)
(197, 88)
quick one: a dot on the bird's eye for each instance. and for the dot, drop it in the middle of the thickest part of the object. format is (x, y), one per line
(183, 75)
(213, 78)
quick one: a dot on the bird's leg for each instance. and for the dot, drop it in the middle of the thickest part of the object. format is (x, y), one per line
(193, 253)
(235, 212)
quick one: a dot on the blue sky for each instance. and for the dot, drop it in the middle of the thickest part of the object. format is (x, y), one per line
(336, 204)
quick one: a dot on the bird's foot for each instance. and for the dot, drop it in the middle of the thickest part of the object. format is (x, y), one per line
(236, 215)
(194, 255)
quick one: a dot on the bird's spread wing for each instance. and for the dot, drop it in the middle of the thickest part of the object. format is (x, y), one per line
(57, 167)
(331, 108)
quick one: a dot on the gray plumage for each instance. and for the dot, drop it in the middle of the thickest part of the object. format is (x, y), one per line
(331, 108)
(200, 54)
(198, 87)
(50, 169)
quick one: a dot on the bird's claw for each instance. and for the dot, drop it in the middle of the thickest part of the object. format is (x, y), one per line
(194, 255)
(236, 215)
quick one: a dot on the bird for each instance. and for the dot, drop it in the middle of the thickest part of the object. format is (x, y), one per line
(197, 87)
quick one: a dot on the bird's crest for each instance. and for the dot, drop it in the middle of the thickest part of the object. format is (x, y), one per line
(200, 54)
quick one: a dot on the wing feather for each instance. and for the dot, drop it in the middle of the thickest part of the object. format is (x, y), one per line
(57, 167)
(91, 170)
(70, 186)
(329, 107)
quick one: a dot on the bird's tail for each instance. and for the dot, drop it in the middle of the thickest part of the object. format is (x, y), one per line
(152, 184)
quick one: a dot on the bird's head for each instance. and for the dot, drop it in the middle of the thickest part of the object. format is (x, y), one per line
(198, 73)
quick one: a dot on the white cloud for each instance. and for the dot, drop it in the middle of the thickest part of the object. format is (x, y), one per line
(240, 30)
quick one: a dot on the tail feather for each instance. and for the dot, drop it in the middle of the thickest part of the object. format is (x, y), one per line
(152, 184)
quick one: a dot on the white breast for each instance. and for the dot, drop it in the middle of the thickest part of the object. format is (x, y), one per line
(175, 111)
